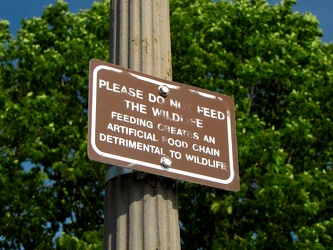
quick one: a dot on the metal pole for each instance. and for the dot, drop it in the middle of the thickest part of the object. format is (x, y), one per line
(141, 210)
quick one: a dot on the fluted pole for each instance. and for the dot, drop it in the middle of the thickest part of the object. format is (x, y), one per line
(141, 210)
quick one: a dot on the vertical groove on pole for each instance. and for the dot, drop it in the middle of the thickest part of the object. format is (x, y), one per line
(140, 36)
(141, 213)
(141, 210)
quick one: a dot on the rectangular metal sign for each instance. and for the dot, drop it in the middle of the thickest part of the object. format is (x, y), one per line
(161, 127)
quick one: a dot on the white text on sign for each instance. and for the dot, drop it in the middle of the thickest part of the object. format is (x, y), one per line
(127, 130)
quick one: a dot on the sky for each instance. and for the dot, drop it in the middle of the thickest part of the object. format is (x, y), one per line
(16, 10)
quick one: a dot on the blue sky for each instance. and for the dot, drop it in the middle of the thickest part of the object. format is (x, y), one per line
(15, 10)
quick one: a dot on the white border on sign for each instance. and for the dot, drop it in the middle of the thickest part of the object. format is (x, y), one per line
(147, 164)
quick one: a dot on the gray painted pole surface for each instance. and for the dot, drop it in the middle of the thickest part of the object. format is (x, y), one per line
(141, 210)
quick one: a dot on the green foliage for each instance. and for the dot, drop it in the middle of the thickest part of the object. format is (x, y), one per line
(272, 62)
(267, 57)
(90, 241)
(47, 182)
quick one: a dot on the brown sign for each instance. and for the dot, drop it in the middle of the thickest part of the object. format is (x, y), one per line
(161, 127)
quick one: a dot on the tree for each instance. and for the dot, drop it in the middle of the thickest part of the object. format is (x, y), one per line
(272, 62)
(47, 183)
(267, 57)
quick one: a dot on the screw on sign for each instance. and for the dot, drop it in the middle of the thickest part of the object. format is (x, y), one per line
(161, 127)
(166, 162)
(164, 90)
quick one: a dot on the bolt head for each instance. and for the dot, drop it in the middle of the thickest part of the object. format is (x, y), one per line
(164, 90)
(166, 162)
